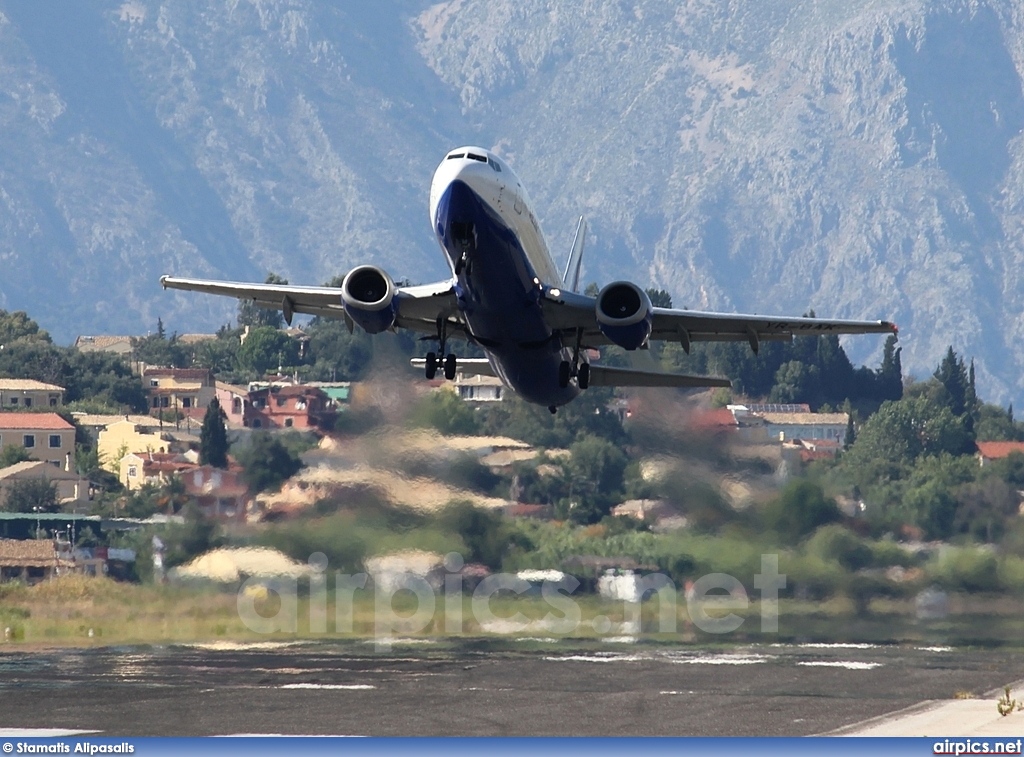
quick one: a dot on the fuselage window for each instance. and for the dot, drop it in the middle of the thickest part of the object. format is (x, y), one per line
(495, 165)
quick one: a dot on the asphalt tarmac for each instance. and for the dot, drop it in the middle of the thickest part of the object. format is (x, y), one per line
(516, 690)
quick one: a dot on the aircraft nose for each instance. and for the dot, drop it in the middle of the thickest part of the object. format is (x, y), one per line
(456, 213)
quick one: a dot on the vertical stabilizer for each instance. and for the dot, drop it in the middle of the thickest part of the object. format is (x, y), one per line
(571, 279)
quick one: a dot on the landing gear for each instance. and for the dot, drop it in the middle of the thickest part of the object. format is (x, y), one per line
(564, 373)
(583, 376)
(464, 236)
(552, 409)
(567, 369)
(434, 359)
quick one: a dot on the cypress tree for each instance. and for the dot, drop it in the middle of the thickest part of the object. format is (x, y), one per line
(213, 438)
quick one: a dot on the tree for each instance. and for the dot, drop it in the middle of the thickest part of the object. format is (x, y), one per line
(266, 347)
(25, 495)
(890, 375)
(660, 298)
(595, 471)
(249, 314)
(952, 374)
(17, 326)
(444, 411)
(12, 454)
(483, 532)
(213, 437)
(267, 463)
(900, 432)
(800, 509)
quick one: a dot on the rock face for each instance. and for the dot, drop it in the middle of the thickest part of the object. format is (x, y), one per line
(862, 158)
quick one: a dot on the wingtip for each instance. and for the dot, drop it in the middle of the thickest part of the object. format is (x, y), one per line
(163, 280)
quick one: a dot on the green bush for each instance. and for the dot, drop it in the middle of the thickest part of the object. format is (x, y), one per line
(835, 542)
(965, 569)
(799, 509)
(886, 553)
(1011, 573)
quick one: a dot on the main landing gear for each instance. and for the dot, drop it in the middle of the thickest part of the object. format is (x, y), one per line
(434, 361)
(567, 369)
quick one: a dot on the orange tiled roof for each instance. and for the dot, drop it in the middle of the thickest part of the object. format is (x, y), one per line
(999, 450)
(34, 422)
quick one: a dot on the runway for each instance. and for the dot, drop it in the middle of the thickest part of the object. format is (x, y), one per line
(478, 688)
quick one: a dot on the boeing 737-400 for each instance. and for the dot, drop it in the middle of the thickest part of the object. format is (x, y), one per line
(506, 296)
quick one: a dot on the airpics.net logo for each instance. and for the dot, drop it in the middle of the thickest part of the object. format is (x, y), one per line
(438, 602)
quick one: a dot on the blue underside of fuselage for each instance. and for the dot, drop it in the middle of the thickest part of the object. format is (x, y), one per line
(500, 299)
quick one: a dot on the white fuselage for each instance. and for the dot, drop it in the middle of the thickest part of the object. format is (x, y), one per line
(504, 193)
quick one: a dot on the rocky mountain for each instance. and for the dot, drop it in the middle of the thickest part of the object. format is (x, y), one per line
(862, 158)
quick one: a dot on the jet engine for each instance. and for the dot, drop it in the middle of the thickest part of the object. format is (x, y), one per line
(624, 314)
(368, 295)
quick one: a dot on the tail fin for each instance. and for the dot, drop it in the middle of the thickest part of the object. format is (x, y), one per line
(571, 279)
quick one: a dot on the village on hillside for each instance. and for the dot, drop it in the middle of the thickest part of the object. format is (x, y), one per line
(212, 460)
(160, 451)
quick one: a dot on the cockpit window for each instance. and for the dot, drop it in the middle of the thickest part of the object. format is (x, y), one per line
(474, 156)
(455, 155)
(495, 165)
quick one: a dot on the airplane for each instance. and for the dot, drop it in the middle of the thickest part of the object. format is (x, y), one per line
(506, 296)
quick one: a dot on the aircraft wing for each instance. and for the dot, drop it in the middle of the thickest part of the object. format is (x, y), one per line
(567, 312)
(601, 375)
(418, 307)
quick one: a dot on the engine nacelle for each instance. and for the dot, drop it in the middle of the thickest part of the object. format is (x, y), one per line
(624, 314)
(368, 295)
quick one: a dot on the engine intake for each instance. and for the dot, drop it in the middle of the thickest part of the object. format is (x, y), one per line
(624, 314)
(368, 295)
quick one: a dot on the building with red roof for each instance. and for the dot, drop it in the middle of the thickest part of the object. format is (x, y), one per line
(989, 451)
(45, 436)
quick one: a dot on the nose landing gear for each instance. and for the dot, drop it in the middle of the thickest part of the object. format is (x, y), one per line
(464, 236)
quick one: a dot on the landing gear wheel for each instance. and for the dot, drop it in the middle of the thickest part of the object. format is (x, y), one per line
(449, 367)
(583, 376)
(552, 409)
(431, 367)
(564, 371)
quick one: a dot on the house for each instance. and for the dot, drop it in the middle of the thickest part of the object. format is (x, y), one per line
(806, 426)
(93, 424)
(644, 509)
(790, 423)
(30, 560)
(26, 393)
(479, 388)
(72, 489)
(989, 451)
(118, 345)
(130, 436)
(178, 388)
(300, 407)
(46, 436)
(139, 468)
(234, 401)
(220, 494)
(338, 392)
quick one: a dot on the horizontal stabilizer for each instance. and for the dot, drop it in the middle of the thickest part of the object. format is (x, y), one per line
(601, 375)
(470, 366)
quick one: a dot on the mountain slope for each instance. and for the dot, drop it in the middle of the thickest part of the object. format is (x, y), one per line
(863, 159)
